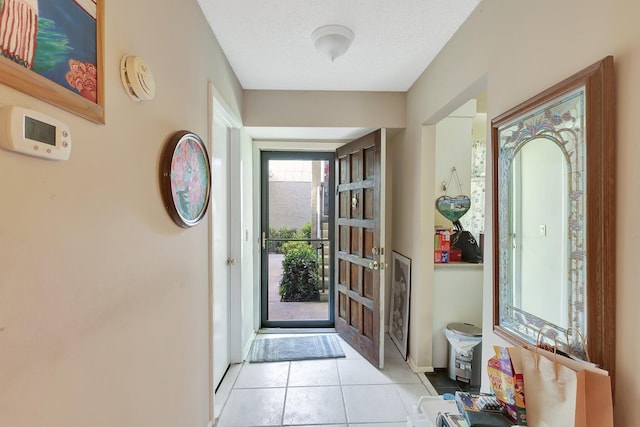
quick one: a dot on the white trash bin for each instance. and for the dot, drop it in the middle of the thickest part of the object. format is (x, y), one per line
(465, 352)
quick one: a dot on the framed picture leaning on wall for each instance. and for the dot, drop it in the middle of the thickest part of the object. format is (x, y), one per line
(399, 307)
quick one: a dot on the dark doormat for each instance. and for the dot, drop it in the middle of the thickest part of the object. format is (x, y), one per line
(295, 348)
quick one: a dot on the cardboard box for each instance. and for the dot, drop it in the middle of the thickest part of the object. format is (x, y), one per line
(441, 245)
(442, 239)
(507, 382)
(441, 257)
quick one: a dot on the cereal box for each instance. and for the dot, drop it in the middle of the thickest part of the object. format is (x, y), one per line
(442, 245)
(507, 382)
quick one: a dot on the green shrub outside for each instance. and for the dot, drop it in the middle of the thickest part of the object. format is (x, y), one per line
(305, 231)
(281, 233)
(287, 233)
(289, 246)
(300, 278)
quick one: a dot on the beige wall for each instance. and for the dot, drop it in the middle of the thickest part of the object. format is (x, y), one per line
(501, 47)
(317, 109)
(103, 299)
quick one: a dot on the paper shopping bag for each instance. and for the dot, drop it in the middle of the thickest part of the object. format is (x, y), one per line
(551, 391)
(565, 392)
(594, 398)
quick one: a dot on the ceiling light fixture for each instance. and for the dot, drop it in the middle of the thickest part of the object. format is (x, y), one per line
(332, 40)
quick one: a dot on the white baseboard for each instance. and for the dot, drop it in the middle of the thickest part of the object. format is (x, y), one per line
(247, 346)
(427, 384)
(418, 369)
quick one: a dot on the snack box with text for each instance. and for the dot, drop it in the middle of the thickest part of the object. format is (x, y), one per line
(442, 239)
(441, 245)
(507, 383)
(441, 257)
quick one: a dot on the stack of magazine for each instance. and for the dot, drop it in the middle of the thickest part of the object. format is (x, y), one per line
(476, 410)
(447, 419)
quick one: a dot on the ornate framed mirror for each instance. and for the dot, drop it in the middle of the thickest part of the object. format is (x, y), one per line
(554, 223)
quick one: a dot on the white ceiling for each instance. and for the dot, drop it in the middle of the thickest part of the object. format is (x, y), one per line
(268, 42)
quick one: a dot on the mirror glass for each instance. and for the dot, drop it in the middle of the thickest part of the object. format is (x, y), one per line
(539, 235)
(542, 191)
(553, 217)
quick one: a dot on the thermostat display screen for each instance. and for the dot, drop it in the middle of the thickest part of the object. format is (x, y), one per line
(33, 133)
(39, 131)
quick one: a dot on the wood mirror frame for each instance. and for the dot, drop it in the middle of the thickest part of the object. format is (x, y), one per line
(599, 206)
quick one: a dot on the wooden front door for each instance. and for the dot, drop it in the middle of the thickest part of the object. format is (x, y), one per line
(360, 251)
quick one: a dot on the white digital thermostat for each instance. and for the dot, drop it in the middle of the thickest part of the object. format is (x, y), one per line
(33, 133)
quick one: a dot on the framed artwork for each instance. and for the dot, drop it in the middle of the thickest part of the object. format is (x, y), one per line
(400, 294)
(185, 178)
(52, 50)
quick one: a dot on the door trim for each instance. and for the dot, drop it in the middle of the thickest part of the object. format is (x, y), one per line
(235, 240)
(217, 105)
(257, 147)
(383, 241)
(306, 155)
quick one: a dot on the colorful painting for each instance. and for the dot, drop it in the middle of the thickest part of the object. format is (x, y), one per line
(58, 41)
(186, 178)
(189, 178)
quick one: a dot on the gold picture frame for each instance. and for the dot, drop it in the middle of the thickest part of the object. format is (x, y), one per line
(18, 73)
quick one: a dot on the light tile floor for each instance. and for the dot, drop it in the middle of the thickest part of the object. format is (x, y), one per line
(343, 392)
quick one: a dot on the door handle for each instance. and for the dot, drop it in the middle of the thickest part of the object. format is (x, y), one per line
(374, 265)
(264, 240)
(231, 261)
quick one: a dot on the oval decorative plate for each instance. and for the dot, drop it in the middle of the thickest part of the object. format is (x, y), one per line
(185, 178)
(453, 208)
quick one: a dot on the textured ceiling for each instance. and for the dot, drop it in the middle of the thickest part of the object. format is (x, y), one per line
(268, 42)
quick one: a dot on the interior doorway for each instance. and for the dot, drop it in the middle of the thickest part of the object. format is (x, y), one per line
(221, 242)
(225, 253)
(297, 226)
